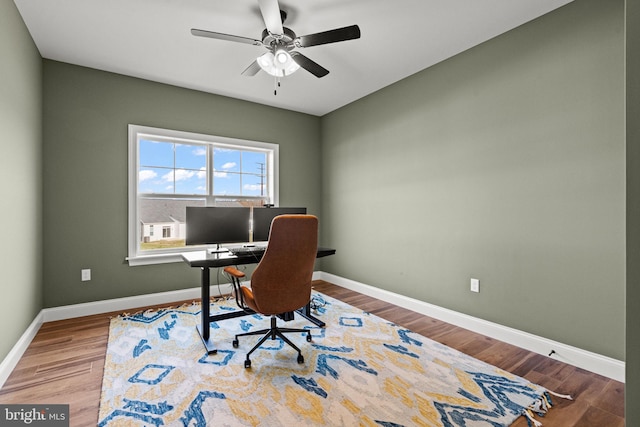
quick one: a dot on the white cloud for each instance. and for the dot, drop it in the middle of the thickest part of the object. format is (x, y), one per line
(229, 165)
(146, 174)
(178, 175)
(200, 152)
(182, 174)
(218, 174)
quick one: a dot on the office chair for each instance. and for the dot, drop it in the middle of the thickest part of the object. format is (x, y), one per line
(281, 283)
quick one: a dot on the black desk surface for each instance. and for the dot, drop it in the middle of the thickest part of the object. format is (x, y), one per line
(225, 259)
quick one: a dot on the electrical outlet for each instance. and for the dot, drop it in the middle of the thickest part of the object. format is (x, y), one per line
(85, 274)
(475, 285)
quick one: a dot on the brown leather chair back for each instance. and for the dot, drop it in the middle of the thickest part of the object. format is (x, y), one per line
(282, 280)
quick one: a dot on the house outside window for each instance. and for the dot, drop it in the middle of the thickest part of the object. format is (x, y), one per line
(170, 170)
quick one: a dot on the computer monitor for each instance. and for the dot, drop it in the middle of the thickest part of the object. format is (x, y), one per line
(262, 218)
(215, 225)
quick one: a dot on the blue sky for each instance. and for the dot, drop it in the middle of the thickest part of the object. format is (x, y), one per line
(170, 168)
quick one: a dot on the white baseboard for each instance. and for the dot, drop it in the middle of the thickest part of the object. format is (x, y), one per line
(127, 303)
(12, 359)
(603, 365)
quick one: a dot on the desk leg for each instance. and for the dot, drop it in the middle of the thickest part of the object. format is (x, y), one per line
(306, 313)
(203, 328)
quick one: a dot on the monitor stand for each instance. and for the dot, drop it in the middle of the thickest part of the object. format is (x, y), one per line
(217, 249)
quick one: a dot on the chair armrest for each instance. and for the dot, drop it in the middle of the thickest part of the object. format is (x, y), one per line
(234, 272)
(235, 276)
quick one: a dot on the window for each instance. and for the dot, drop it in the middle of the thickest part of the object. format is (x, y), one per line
(170, 170)
(166, 232)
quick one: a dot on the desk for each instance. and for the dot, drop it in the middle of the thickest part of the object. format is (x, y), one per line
(206, 261)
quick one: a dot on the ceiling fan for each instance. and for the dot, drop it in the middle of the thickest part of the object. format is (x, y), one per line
(280, 59)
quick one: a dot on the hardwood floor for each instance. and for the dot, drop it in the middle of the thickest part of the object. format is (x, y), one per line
(64, 364)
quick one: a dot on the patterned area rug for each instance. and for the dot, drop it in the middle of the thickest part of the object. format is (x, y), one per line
(359, 371)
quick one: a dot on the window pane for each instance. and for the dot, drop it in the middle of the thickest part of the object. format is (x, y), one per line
(167, 215)
(154, 153)
(226, 183)
(190, 181)
(253, 185)
(251, 179)
(155, 180)
(254, 162)
(226, 160)
(191, 156)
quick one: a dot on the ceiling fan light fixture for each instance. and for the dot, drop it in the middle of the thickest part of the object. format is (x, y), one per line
(266, 61)
(282, 57)
(279, 64)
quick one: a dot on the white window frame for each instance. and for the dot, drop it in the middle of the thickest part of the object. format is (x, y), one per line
(137, 132)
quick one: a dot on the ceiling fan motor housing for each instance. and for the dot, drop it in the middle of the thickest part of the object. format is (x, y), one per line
(284, 40)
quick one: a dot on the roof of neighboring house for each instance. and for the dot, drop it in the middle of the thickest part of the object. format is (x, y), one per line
(153, 211)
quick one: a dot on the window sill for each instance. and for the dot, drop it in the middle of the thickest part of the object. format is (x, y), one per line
(154, 259)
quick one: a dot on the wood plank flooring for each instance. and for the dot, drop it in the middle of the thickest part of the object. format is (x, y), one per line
(65, 361)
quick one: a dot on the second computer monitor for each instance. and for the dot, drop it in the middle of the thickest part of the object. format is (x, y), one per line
(262, 218)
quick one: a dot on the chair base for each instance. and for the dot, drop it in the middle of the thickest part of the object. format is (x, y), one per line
(272, 333)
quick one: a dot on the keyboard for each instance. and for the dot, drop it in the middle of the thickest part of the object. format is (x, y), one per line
(248, 251)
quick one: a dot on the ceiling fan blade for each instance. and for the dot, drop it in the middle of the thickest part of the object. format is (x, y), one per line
(252, 69)
(271, 14)
(309, 65)
(227, 37)
(332, 36)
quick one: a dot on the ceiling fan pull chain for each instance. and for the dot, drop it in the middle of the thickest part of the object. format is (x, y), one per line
(276, 85)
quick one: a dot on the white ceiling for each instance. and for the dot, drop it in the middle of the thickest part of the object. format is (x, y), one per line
(151, 39)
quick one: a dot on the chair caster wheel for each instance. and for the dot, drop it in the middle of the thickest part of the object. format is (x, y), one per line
(300, 359)
(309, 338)
(235, 343)
(247, 363)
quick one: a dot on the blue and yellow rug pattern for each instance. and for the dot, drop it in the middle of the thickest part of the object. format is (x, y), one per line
(359, 371)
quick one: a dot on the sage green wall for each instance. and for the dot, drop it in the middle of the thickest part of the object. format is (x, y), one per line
(505, 163)
(21, 176)
(86, 113)
(632, 383)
